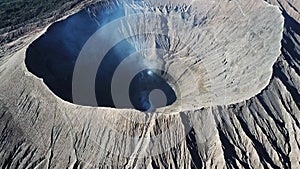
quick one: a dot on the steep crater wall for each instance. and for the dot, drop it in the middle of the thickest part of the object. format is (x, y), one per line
(218, 51)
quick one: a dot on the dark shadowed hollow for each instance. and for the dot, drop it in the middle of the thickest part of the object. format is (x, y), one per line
(52, 57)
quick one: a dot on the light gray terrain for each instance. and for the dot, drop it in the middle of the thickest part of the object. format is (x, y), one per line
(244, 113)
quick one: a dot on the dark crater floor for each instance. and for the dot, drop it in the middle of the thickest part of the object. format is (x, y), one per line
(53, 55)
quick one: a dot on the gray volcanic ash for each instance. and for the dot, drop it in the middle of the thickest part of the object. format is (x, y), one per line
(209, 84)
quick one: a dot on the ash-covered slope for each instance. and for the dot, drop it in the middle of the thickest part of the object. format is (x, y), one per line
(39, 130)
